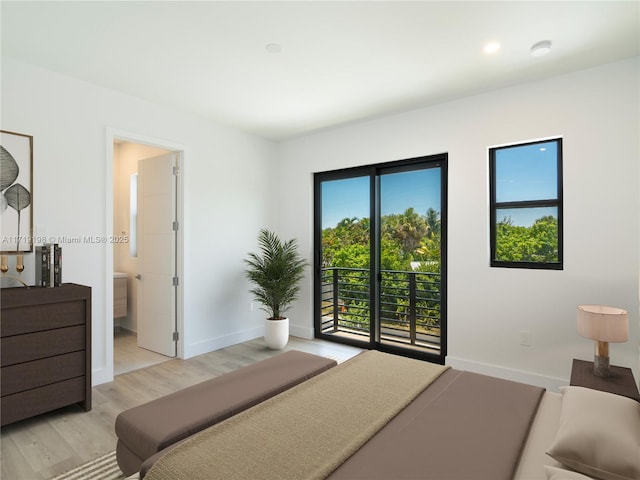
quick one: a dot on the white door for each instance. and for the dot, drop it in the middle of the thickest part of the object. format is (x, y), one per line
(157, 278)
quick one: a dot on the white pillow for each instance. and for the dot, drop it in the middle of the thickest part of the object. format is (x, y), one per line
(598, 434)
(555, 473)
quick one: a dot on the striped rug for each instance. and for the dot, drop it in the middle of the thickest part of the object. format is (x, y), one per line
(101, 468)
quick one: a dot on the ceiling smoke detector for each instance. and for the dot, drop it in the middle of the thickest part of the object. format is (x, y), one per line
(541, 48)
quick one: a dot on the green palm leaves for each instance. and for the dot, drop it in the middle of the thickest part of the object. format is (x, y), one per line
(276, 273)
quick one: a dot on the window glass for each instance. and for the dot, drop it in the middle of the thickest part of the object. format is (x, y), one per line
(133, 215)
(526, 205)
(527, 235)
(527, 172)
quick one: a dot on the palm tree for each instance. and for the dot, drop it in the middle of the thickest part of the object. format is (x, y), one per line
(407, 228)
(433, 222)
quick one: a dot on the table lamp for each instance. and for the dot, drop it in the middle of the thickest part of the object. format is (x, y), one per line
(603, 324)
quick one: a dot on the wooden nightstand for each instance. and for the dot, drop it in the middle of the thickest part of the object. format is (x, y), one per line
(620, 382)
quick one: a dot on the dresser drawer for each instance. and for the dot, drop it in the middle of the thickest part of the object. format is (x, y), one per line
(40, 400)
(29, 375)
(34, 346)
(45, 350)
(35, 318)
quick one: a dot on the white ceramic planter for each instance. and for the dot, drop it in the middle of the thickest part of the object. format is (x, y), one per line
(276, 333)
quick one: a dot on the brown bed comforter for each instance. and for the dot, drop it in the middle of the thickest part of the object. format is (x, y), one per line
(463, 426)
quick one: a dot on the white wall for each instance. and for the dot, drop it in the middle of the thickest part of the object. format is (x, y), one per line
(226, 182)
(228, 178)
(596, 113)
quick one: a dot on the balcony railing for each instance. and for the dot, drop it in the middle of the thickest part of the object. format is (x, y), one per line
(409, 310)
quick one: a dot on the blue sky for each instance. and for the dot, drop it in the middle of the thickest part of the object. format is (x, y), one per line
(349, 198)
(527, 172)
(346, 198)
(524, 217)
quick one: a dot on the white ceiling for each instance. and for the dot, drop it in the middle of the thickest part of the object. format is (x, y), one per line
(339, 62)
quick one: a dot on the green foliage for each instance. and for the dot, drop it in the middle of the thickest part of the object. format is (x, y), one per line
(406, 229)
(405, 238)
(410, 245)
(354, 255)
(351, 234)
(537, 243)
(276, 273)
(393, 257)
(410, 242)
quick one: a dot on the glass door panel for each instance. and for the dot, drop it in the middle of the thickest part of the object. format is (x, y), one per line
(410, 259)
(379, 241)
(345, 258)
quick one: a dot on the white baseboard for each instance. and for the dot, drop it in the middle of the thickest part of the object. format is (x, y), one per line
(121, 329)
(100, 376)
(550, 383)
(210, 345)
(302, 332)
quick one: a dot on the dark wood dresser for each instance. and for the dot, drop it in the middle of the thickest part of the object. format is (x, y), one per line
(45, 354)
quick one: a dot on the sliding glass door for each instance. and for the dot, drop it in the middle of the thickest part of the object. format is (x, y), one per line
(380, 263)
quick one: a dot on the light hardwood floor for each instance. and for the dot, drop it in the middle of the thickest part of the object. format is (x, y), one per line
(127, 356)
(50, 444)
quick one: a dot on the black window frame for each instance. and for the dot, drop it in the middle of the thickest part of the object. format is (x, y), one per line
(494, 206)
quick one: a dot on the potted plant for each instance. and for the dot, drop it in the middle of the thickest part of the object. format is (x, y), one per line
(276, 273)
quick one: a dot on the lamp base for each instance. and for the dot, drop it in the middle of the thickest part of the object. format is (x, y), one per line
(601, 366)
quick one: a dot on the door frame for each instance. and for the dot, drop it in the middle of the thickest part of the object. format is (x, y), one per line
(374, 171)
(113, 134)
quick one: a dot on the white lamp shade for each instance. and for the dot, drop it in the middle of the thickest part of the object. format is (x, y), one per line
(602, 323)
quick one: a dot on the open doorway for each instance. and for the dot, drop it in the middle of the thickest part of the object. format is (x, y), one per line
(132, 321)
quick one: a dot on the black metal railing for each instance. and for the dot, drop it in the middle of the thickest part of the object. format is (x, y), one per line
(409, 303)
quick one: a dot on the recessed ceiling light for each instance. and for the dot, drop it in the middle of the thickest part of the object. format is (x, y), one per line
(491, 47)
(541, 48)
(273, 48)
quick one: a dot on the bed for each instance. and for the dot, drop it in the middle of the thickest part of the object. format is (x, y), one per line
(381, 417)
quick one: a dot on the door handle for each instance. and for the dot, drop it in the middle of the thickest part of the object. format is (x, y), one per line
(139, 277)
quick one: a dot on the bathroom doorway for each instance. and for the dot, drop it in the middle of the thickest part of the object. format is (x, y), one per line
(132, 349)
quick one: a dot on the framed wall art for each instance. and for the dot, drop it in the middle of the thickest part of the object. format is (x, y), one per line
(16, 188)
